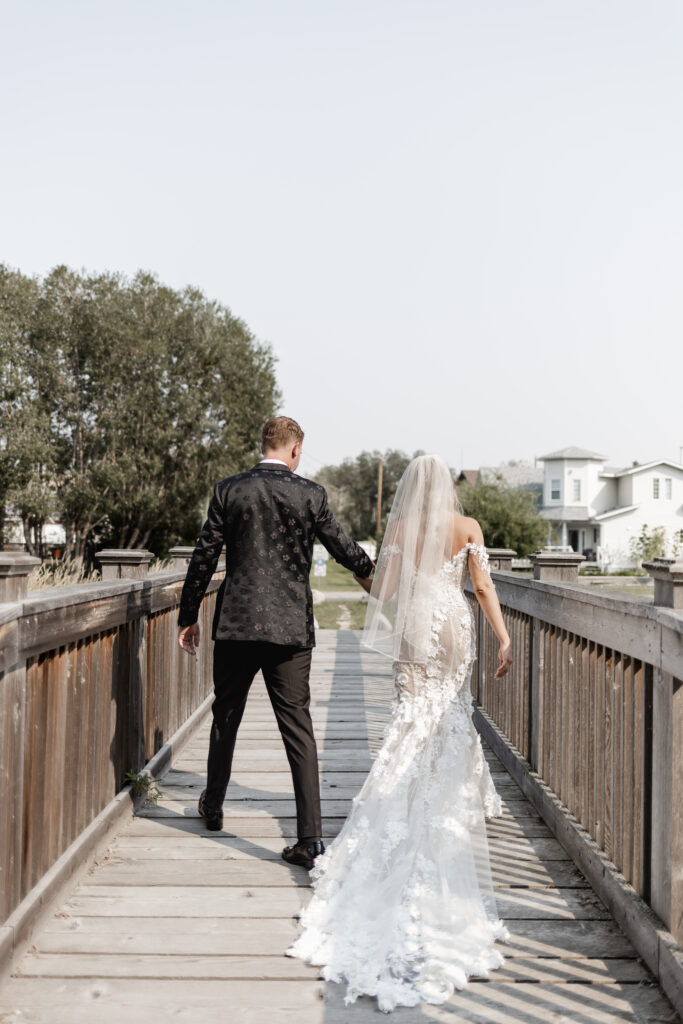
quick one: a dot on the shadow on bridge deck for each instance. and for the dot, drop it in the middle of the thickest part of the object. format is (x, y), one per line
(177, 923)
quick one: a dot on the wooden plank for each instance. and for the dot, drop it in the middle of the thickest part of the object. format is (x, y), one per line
(191, 936)
(282, 901)
(565, 939)
(217, 846)
(586, 764)
(618, 760)
(71, 1001)
(629, 755)
(601, 763)
(208, 967)
(231, 872)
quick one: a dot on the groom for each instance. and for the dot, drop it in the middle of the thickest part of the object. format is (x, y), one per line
(268, 518)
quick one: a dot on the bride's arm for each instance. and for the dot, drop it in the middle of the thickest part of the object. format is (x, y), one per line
(485, 593)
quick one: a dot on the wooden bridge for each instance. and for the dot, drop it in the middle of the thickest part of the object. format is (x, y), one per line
(145, 916)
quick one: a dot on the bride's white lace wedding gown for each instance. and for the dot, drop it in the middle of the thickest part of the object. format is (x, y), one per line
(403, 905)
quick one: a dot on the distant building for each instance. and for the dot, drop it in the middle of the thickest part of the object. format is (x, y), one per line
(597, 509)
(513, 474)
(54, 534)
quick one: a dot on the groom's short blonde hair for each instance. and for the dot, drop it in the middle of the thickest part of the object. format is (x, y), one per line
(279, 432)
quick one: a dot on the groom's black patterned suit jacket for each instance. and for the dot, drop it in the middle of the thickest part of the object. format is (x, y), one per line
(268, 519)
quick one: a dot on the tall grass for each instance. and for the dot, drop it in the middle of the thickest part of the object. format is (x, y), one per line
(57, 573)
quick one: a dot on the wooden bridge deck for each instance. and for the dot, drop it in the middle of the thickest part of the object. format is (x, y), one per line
(178, 924)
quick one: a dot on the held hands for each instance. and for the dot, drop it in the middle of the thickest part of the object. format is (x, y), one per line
(366, 583)
(188, 638)
(504, 660)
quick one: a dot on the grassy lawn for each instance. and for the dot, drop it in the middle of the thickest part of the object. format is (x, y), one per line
(337, 615)
(337, 578)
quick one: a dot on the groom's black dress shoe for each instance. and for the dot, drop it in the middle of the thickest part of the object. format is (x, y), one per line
(303, 853)
(212, 817)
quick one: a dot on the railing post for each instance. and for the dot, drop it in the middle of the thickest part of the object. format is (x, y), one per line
(668, 576)
(133, 564)
(181, 556)
(501, 558)
(556, 566)
(667, 765)
(663, 786)
(124, 563)
(15, 567)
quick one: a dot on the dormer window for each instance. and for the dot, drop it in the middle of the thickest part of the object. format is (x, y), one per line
(667, 488)
(554, 490)
(655, 487)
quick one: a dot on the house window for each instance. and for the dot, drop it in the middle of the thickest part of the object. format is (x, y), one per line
(655, 487)
(667, 487)
(596, 535)
(577, 490)
(555, 490)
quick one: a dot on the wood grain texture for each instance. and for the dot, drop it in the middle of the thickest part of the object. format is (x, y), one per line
(178, 923)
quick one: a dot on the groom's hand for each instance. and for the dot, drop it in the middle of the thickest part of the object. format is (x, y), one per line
(364, 582)
(188, 638)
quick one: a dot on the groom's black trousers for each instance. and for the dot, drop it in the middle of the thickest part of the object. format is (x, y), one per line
(286, 671)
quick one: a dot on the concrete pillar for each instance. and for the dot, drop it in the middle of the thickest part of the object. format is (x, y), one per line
(124, 563)
(15, 567)
(668, 576)
(501, 558)
(564, 541)
(556, 566)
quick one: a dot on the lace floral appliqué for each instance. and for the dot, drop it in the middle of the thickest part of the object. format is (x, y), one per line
(403, 905)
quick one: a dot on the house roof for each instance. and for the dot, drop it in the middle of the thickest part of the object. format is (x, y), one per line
(632, 470)
(613, 512)
(469, 476)
(515, 474)
(572, 452)
(565, 513)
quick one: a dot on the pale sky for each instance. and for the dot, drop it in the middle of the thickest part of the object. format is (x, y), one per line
(459, 224)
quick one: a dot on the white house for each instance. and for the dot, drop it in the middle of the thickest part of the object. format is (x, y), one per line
(597, 509)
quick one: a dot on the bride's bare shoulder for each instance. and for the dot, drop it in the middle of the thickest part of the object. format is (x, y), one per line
(465, 529)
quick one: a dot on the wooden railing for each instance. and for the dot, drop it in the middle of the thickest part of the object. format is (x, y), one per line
(92, 684)
(594, 704)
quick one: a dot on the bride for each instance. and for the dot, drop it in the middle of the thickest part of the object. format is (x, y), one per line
(403, 905)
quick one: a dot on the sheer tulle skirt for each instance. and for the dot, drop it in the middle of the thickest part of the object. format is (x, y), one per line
(403, 906)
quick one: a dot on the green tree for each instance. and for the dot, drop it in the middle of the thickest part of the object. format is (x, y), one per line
(27, 455)
(650, 543)
(134, 399)
(352, 489)
(507, 515)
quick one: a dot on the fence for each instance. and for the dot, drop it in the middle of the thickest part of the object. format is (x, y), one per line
(594, 705)
(92, 684)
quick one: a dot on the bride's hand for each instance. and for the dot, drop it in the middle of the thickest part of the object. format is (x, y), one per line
(504, 660)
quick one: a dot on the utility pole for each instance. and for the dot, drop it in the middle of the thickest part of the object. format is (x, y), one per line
(379, 496)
